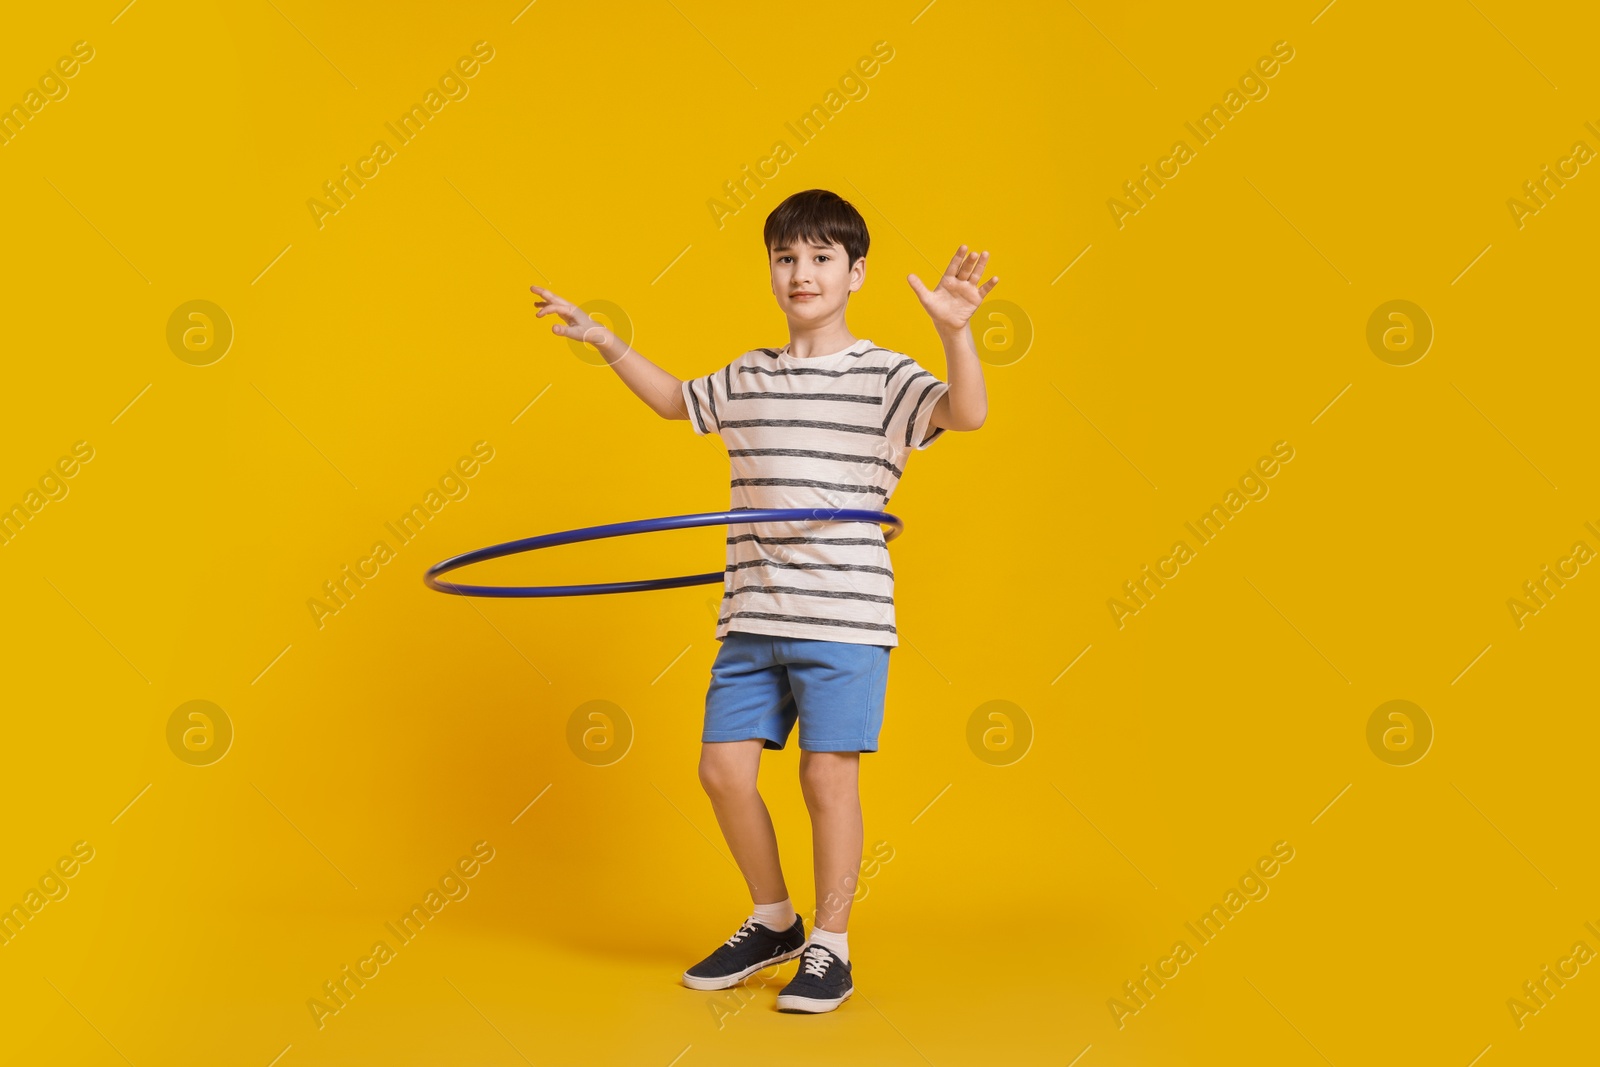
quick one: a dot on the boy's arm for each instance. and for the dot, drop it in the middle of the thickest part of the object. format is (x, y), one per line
(965, 404)
(659, 389)
(950, 305)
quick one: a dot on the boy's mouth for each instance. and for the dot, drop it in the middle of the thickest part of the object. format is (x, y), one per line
(804, 295)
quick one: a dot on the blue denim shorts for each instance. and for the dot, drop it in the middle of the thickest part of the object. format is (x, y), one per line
(760, 685)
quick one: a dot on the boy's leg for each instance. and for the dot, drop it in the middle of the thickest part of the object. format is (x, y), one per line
(839, 689)
(748, 707)
(830, 782)
(728, 772)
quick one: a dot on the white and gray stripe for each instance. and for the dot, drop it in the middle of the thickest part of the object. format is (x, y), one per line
(831, 431)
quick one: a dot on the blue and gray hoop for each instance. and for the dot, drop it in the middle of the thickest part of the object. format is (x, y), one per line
(636, 526)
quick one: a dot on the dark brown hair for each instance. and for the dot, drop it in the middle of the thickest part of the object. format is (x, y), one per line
(821, 216)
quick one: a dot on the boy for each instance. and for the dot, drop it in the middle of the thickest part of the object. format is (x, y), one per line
(807, 619)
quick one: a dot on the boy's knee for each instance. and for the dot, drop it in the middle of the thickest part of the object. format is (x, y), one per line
(827, 779)
(722, 778)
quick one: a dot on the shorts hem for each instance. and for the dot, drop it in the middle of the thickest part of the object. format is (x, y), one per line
(842, 745)
(735, 735)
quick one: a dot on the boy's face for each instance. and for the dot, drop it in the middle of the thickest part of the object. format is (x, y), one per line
(814, 281)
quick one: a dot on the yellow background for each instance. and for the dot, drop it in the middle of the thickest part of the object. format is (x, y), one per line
(369, 354)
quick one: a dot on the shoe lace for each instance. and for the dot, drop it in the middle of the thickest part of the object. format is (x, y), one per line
(817, 960)
(745, 930)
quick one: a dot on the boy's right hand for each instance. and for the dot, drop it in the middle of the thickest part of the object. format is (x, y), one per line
(660, 390)
(575, 325)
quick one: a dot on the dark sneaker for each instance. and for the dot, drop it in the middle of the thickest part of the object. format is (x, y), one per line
(754, 947)
(822, 983)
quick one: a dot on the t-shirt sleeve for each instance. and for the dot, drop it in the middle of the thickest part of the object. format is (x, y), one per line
(912, 393)
(706, 397)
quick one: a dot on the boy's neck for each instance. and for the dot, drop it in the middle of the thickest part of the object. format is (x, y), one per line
(820, 341)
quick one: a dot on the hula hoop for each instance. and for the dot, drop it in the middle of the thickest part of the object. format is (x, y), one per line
(621, 529)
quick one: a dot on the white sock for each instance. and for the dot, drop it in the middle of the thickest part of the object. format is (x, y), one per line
(837, 943)
(779, 916)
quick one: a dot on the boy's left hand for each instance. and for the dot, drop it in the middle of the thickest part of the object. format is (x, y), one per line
(958, 294)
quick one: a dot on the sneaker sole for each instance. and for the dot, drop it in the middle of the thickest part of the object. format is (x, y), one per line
(809, 1005)
(727, 981)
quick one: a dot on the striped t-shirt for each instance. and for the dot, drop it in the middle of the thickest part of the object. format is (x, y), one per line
(829, 431)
